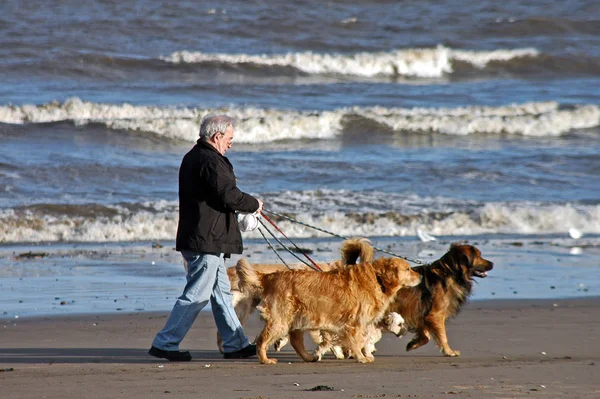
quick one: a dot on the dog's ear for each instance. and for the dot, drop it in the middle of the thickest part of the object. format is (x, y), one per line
(387, 274)
(463, 253)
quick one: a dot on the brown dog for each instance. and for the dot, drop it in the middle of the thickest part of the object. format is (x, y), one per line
(445, 286)
(244, 302)
(342, 302)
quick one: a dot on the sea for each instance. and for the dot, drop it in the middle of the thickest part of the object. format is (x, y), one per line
(415, 124)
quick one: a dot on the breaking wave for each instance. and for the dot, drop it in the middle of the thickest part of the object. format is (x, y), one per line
(342, 212)
(418, 62)
(256, 125)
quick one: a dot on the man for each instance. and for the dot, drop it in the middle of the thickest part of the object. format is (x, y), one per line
(207, 233)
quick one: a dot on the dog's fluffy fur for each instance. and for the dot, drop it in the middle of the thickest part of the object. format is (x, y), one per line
(445, 286)
(245, 302)
(342, 302)
(392, 322)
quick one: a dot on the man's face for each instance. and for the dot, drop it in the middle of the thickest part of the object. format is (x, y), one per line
(223, 140)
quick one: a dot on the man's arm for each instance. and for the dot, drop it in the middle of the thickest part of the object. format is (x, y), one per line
(229, 194)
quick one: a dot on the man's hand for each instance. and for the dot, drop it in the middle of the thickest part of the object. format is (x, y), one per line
(260, 206)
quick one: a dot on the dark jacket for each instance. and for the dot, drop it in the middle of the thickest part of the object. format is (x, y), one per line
(208, 199)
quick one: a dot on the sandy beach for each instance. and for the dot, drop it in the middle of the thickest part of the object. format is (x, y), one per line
(510, 349)
(413, 124)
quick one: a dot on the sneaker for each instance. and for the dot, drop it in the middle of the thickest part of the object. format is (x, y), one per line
(172, 356)
(248, 351)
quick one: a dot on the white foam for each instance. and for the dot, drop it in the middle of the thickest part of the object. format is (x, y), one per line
(127, 226)
(349, 21)
(75, 109)
(10, 175)
(480, 59)
(416, 62)
(522, 218)
(401, 217)
(256, 125)
(529, 119)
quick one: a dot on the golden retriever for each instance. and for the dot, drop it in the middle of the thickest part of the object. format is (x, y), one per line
(341, 302)
(244, 303)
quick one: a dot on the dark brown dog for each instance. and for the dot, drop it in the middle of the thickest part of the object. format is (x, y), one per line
(444, 288)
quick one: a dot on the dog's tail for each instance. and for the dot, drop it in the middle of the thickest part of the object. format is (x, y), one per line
(248, 278)
(355, 248)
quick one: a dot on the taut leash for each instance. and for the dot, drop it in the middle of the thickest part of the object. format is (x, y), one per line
(273, 249)
(333, 234)
(316, 267)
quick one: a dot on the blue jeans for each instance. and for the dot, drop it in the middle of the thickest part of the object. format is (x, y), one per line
(206, 279)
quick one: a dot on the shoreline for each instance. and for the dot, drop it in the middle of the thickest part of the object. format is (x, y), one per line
(492, 303)
(509, 348)
(147, 277)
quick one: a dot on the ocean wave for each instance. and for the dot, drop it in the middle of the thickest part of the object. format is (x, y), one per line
(256, 125)
(417, 66)
(417, 62)
(402, 216)
(528, 119)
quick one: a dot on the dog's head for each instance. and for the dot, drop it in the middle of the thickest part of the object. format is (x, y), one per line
(394, 274)
(469, 259)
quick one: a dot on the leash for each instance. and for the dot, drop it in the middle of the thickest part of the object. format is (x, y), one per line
(314, 266)
(334, 234)
(273, 249)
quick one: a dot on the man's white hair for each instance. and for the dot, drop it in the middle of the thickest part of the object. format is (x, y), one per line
(212, 124)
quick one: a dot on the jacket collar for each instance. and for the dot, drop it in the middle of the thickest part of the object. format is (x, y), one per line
(204, 144)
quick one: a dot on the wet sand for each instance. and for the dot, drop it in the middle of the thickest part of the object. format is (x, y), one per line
(510, 349)
(104, 278)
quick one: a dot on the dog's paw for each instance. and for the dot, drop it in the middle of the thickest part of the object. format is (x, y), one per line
(368, 349)
(393, 319)
(401, 331)
(280, 343)
(338, 352)
(394, 323)
(452, 353)
(414, 344)
(365, 359)
(269, 361)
